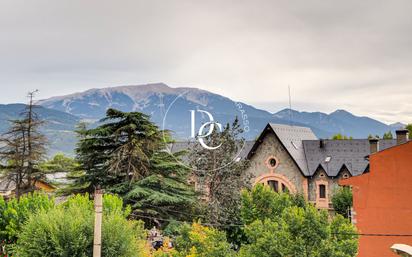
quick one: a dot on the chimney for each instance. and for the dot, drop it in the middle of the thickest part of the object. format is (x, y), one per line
(374, 145)
(402, 136)
(321, 143)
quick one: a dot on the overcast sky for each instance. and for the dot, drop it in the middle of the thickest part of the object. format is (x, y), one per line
(353, 55)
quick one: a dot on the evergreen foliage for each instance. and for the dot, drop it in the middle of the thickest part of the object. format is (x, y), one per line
(23, 146)
(388, 135)
(126, 155)
(339, 136)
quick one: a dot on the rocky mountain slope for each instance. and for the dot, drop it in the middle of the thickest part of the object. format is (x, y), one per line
(170, 109)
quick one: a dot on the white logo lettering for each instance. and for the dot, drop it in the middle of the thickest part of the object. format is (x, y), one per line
(200, 136)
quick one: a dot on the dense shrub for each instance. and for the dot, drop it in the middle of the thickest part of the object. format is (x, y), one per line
(67, 230)
(15, 212)
(200, 241)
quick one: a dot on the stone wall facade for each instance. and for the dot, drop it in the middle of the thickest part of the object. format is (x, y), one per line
(284, 169)
(286, 172)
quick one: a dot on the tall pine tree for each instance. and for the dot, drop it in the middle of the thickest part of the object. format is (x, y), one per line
(126, 155)
(23, 148)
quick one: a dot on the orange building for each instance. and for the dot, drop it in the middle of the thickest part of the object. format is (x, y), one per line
(382, 200)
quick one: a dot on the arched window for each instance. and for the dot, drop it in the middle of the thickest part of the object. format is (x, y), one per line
(278, 182)
(277, 186)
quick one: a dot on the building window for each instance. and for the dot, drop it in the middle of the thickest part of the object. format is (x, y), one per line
(274, 185)
(273, 162)
(322, 191)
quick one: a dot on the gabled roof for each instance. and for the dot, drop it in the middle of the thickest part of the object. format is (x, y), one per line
(291, 137)
(350, 153)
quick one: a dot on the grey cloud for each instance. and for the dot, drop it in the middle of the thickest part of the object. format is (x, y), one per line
(335, 54)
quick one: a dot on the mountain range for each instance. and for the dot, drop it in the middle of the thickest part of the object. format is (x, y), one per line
(170, 109)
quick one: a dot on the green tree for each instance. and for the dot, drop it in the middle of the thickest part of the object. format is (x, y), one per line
(163, 193)
(388, 135)
(342, 201)
(282, 227)
(126, 155)
(15, 212)
(409, 127)
(200, 241)
(59, 163)
(220, 178)
(119, 150)
(22, 148)
(339, 136)
(262, 203)
(67, 230)
(65, 168)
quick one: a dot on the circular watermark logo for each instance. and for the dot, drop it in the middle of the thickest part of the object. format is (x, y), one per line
(193, 121)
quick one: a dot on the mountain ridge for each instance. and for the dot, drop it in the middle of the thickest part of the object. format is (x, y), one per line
(157, 98)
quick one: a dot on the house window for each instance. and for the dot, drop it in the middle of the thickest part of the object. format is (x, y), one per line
(274, 185)
(322, 191)
(277, 186)
(272, 162)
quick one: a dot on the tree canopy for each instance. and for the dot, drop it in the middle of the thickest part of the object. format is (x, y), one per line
(339, 136)
(277, 226)
(342, 201)
(126, 155)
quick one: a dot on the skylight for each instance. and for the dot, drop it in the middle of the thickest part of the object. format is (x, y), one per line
(294, 145)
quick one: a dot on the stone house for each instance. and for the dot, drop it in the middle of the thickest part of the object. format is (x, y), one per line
(292, 158)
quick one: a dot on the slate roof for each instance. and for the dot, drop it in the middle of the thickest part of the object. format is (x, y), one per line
(292, 137)
(349, 153)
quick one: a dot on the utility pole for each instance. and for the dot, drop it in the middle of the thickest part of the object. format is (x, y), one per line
(98, 212)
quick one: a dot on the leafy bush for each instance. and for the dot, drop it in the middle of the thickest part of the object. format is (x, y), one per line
(342, 201)
(67, 230)
(15, 212)
(263, 203)
(200, 241)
